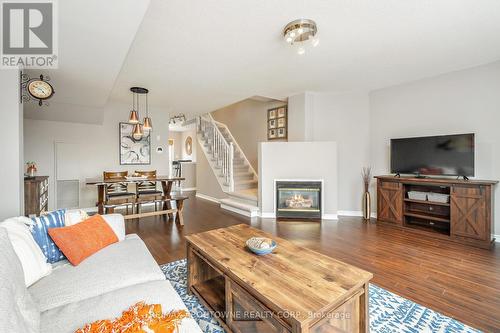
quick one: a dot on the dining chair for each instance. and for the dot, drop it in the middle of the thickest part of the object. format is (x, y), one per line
(118, 190)
(147, 188)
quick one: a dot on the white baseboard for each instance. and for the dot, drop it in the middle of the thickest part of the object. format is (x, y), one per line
(240, 211)
(188, 189)
(357, 213)
(350, 213)
(497, 238)
(207, 197)
(265, 215)
(330, 217)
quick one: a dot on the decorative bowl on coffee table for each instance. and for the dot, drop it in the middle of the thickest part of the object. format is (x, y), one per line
(261, 245)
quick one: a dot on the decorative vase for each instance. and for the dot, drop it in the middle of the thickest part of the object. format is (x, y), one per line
(31, 170)
(366, 205)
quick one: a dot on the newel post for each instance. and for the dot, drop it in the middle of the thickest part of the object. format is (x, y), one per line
(231, 170)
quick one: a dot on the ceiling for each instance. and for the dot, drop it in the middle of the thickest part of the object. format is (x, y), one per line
(199, 55)
(94, 39)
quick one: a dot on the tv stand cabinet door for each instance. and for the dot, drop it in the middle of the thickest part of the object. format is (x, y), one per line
(470, 210)
(390, 201)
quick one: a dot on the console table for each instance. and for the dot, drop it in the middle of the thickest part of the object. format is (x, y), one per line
(36, 195)
(293, 289)
(466, 218)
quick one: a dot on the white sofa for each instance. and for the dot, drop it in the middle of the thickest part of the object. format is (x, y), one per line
(100, 287)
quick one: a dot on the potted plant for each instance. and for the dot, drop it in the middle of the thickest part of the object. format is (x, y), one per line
(366, 173)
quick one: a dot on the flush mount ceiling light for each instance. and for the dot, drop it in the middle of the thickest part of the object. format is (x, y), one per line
(301, 33)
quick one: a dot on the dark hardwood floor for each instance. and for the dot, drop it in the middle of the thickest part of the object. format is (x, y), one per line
(457, 280)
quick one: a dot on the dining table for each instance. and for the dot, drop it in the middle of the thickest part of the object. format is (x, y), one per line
(101, 183)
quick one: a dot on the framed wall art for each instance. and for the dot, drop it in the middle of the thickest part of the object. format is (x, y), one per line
(282, 133)
(281, 122)
(281, 112)
(277, 123)
(134, 151)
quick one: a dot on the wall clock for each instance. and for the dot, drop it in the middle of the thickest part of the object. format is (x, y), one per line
(36, 89)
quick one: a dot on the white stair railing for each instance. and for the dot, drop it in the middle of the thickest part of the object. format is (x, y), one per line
(236, 146)
(221, 151)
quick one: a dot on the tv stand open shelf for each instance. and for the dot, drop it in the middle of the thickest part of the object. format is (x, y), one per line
(428, 202)
(465, 218)
(429, 217)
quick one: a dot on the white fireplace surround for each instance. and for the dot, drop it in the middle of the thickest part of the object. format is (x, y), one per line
(298, 161)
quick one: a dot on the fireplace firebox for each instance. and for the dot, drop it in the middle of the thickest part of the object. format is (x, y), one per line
(298, 199)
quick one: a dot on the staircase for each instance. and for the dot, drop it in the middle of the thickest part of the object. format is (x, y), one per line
(235, 174)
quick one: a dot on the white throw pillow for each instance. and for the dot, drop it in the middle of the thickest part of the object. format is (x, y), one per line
(74, 216)
(115, 221)
(30, 255)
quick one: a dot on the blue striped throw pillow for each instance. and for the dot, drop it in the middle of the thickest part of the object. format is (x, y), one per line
(40, 229)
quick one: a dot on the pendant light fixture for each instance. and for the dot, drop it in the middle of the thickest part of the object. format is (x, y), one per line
(148, 124)
(134, 117)
(138, 130)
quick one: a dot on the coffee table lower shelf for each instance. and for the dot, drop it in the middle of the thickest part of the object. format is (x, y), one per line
(213, 293)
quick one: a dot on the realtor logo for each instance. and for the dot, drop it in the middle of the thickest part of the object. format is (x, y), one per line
(28, 34)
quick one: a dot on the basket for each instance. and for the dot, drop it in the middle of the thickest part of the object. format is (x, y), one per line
(438, 197)
(416, 195)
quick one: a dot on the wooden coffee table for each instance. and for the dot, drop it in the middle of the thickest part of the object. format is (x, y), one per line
(294, 289)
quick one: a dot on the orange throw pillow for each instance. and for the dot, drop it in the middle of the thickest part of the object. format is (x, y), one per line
(83, 239)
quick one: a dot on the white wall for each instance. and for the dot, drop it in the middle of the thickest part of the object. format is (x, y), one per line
(98, 146)
(177, 137)
(12, 164)
(298, 160)
(300, 108)
(343, 118)
(459, 102)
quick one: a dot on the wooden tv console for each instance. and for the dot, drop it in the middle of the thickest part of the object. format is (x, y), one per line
(466, 218)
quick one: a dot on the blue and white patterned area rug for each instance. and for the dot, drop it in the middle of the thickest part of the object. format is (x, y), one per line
(388, 312)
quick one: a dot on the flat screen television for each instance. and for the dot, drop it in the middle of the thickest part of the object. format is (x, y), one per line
(443, 155)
